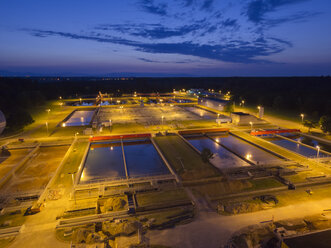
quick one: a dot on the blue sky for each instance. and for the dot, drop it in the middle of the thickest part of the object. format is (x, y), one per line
(165, 37)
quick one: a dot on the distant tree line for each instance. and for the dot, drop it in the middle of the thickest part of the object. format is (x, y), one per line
(308, 95)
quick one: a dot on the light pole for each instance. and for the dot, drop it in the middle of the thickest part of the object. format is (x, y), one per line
(251, 123)
(47, 128)
(162, 119)
(48, 110)
(73, 183)
(109, 125)
(76, 135)
(318, 151)
(302, 116)
(242, 103)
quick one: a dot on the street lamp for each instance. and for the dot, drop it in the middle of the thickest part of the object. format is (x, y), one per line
(47, 128)
(302, 116)
(48, 110)
(251, 123)
(162, 119)
(318, 151)
(76, 135)
(73, 183)
(243, 102)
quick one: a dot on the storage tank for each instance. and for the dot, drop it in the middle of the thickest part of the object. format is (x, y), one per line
(2, 122)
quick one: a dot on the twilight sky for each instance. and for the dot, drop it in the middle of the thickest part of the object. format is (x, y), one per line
(165, 37)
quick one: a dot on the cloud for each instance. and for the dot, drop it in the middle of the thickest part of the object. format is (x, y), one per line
(233, 51)
(230, 23)
(148, 60)
(167, 62)
(151, 7)
(207, 4)
(296, 18)
(257, 9)
(285, 42)
(152, 31)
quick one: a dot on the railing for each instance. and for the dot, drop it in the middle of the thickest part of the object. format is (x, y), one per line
(271, 132)
(121, 180)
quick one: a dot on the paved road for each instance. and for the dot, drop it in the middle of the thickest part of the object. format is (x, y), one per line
(39, 229)
(213, 230)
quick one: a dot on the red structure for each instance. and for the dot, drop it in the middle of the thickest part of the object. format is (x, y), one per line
(275, 131)
(126, 136)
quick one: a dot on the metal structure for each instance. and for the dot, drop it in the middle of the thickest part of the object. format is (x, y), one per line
(2, 122)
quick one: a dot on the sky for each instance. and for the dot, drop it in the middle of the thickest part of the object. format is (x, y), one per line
(165, 37)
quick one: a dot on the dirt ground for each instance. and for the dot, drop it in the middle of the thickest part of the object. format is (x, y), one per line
(38, 171)
(8, 162)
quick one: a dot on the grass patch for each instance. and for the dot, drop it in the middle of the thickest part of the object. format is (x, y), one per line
(162, 197)
(13, 219)
(71, 164)
(214, 190)
(187, 163)
(222, 188)
(265, 183)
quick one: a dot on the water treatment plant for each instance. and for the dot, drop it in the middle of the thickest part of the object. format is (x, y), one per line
(141, 170)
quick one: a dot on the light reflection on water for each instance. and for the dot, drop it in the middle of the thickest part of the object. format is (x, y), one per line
(105, 161)
(223, 158)
(80, 118)
(295, 147)
(245, 149)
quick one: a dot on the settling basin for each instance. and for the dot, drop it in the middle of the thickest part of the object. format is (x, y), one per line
(80, 118)
(246, 150)
(109, 161)
(295, 147)
(222, 157)
(311, 142)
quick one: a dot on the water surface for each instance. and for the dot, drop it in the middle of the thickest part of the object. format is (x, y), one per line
(80, 118)
(222, 157)
(104, 161)
(142, 159)
(243, 148)
(295, 147)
